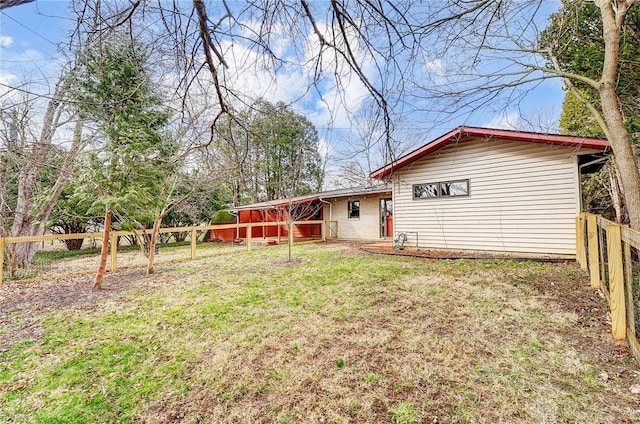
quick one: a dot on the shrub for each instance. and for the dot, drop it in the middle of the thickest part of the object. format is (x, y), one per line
(223, 216)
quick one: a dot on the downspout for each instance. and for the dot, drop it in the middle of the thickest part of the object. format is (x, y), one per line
(330, 207)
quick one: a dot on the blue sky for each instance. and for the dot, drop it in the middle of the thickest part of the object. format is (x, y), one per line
(28, 51)
(28, 38)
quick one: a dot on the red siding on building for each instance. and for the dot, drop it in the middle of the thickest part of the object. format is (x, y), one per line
(255, 216)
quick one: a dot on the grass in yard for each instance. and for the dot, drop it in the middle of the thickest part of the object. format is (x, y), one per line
(63, 263)
(334, 336)
(45, 257)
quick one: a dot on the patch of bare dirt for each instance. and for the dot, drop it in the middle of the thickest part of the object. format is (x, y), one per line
(387, 249)
(289, 262)
(22, 302)
(348, 248)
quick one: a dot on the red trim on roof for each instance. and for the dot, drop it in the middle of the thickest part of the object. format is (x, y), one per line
(461, 134)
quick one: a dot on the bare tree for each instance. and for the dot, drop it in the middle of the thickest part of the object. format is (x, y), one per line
(149, 240)
(339, 40)
(29, 140)
(363, 149)
(294, 211)
(462, 58)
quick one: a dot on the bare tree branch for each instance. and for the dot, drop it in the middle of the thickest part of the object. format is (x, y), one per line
(10, 3)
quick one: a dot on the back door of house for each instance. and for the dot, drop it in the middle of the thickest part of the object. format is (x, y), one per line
(386, 218)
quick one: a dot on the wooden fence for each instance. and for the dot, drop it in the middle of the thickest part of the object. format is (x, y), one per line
(249, 241)
(610, 252)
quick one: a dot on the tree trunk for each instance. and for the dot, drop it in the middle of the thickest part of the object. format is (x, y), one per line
(619, 138)
(290, 239)
(156, 229)
(102, 265)
(24, 252)
(65, 173)
(624, 159)
(616, 194)
(152, 244)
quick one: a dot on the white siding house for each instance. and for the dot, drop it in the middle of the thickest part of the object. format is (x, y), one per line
(364, 226)
(490, 190)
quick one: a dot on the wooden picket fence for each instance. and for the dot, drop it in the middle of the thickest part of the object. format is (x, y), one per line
(610, 252)
(249, 241)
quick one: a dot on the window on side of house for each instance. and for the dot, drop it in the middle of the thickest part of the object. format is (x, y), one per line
(454, 188)
(425, 191)
(441, 189)
(353, 209)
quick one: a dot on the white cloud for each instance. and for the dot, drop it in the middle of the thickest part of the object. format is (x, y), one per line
(339, 103)
(436, 69)
(6, 79)
(254, 75)
(505, 121)
(5, 41)
(344, 94)
(324, 148)
(25, 56)
(335, 101)
(29, 65)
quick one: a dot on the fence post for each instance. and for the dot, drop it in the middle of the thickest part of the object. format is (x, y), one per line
(279, 232)
(581, 247)
(323, 230)
(1, 259)
(616, 282)
(114, 251)
(249, 231)
(628, 279)
(594, 254)
(194, 239)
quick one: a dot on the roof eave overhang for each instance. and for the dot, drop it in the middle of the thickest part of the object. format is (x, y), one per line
(282, 203)
(275, 205)
(468, 133)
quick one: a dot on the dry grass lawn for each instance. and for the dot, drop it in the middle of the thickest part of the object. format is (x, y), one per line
(334, 336)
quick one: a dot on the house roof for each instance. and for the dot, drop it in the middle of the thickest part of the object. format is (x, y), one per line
(464, 133)
(323, 195)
